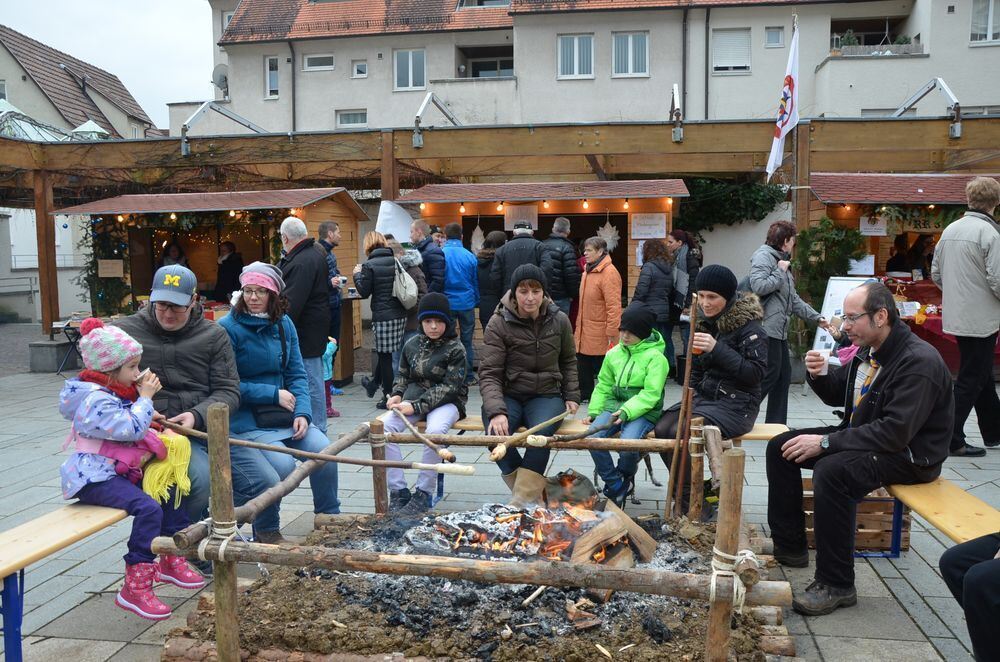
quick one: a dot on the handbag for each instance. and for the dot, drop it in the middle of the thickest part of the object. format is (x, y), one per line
(404, 288)
(271, 416)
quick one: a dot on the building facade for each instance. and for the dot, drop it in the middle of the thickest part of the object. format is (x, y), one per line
(313, 65)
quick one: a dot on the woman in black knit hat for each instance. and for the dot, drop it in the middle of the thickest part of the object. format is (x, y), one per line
(730, 358)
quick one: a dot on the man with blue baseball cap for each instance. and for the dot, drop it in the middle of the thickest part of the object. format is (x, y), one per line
(194, 360)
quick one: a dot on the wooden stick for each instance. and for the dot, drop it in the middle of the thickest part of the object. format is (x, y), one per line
(500, 450)
(561, 438)
(622, 445)
(727, 534)
(531, 598)
(684, 415)
(748, 569)
(697, 452)
(227, 629)
(443, 453)
(539, 573)
(380, 481)
(190, 536)
(714, 449)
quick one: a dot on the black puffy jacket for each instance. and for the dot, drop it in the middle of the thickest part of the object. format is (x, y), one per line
(433, 265)
(375, 280)
(305, 274)
(519, 250)
(489, 293)
(655, 288)
(564, 281)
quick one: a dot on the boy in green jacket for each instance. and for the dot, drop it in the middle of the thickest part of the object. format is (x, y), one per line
(629, 394)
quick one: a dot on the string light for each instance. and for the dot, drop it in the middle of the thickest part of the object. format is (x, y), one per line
(292, 211)
(930, 206)
(232, 213)
(461, 208)
(173, 216)
(120, 218)
(545, 203)
(500, 206)
(847, 207)
(422, 206)
(586, 205)
(626, 203)
(670, 201)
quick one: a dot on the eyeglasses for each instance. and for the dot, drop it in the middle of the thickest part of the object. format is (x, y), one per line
(174, 308)
(255, 292)
(853, 319)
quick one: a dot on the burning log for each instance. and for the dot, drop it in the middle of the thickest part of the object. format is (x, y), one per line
(539, 573)
(644, 544)
(590, 547)
(620, 557)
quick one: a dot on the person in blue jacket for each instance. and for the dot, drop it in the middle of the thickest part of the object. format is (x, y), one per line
(275, 408)
(461, 286)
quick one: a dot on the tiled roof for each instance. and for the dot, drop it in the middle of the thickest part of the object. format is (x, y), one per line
(639, 188)
(60, 77)
(220, 201)
(870, 188)
(546, 6)
(270, 20)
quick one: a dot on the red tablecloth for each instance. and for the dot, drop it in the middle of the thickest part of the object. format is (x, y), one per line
(932, 332)
(923, 291)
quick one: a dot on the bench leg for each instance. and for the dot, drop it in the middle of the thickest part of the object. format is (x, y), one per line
(13, 613)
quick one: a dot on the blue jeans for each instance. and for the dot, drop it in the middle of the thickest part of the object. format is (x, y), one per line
(317, 391)
(466, 326)
(563, 304)
(252, 476)
(628, 463)
(666, 330)
(528, 414)
(323, 481)
(399, 352)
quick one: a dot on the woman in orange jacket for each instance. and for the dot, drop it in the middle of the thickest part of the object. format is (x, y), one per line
(600, 312)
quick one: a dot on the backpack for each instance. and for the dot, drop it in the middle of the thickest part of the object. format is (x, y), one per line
(404, 288)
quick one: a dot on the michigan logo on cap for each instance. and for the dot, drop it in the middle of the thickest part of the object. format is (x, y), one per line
(171, 281)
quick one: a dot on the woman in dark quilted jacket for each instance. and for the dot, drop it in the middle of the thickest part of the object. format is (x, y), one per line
(430, 386)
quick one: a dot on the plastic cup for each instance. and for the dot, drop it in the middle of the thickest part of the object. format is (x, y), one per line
(825, 353)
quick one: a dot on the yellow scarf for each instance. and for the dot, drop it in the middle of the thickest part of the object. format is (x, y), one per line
(159, 475)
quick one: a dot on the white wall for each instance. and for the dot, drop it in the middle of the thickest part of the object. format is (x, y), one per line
(25, 95)
(732, 245)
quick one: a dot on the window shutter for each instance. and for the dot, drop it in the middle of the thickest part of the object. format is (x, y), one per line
(731, 50)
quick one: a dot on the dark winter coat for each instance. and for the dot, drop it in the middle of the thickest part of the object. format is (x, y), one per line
(523, 358)
(655, 288)
(682, 299)
(432, 373)
(433, 266)
(307, 288)
(726, 381)
(519, 250)
(489, 293)
(227, 279)
(195, 364)
(564, 281)
(411, 261)
(332, 271)
(910, 406)
(375, 280)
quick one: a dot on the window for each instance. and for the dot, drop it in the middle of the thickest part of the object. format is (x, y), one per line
(359, 68)
(774, 37)
(491, 67)
(3, 89)
(317, 62)
(352, 119)
(135, 131)
(576, 56)
(410, 70)
(629, 54)
(226, 17)
(271, 77)
(985, 20)
(731, 50)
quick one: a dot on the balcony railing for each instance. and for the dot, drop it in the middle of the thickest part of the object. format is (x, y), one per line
(888, 50)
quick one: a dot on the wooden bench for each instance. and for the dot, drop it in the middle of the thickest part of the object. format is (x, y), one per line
(949, 509)
(35, 540)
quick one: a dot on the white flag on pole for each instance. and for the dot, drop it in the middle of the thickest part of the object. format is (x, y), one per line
(788, 107)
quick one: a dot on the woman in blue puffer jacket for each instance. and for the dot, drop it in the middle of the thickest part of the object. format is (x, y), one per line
(274, 391)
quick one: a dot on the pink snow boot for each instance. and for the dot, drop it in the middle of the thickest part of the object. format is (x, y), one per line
(137, 594)
(177, 571)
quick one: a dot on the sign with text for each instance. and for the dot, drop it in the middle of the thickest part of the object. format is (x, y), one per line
(649, 226)
(873, 226)
(111, 268)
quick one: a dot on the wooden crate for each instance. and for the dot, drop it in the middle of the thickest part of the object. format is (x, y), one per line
(874, 520)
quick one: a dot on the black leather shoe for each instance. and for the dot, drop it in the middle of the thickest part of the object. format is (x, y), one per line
(819, 599)
(398, 498)
(791, 559)
(967, 451)
(417, 507)
(370, 386)
(992, 444)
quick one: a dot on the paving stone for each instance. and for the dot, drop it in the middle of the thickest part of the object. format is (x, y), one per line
(871, 618)
(58, 648)
(852, 649)
(948, 610)
(158, 633)
(805, 647)
(883, 566)
(100, 618)
(952, 650)
(920, 574)
(867, 582)
(918, 610)
(138, 653)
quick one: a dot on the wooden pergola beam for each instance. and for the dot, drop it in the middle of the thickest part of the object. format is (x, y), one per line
(45, 232)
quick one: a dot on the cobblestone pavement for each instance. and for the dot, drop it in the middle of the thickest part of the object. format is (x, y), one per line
(904, 611)
(14, 339)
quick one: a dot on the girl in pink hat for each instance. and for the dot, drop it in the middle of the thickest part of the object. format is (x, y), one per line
(111, 409)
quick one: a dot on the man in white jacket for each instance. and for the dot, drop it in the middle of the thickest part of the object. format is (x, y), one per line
(967, 268)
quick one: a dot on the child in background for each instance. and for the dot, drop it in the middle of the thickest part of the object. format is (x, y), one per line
(111, 410)
(328, 387)
(629, 394)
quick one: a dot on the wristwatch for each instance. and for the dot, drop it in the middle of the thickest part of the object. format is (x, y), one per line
(824, 442)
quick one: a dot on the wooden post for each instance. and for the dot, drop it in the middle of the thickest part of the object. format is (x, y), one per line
(227, 629)
(45, 234)
(800, 174)
(713, 448)
(380, 482)
(727, 534)
(390, 178)
(697, 453)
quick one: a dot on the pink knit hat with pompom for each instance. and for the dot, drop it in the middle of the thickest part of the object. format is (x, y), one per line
(106, 348)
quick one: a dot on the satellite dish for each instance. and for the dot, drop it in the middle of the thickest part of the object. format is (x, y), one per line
(220, 78)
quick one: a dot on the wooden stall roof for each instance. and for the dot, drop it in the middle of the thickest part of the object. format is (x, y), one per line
(220, 201)
(535, 191)
(873, 188)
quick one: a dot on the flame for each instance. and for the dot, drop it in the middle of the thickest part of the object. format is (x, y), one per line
(601, 554)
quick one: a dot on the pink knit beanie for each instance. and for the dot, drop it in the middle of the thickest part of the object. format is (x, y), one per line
(106, 348)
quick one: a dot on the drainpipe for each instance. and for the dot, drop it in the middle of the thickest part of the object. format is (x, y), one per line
(708, 55)
(684, 60)
(291, 49)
